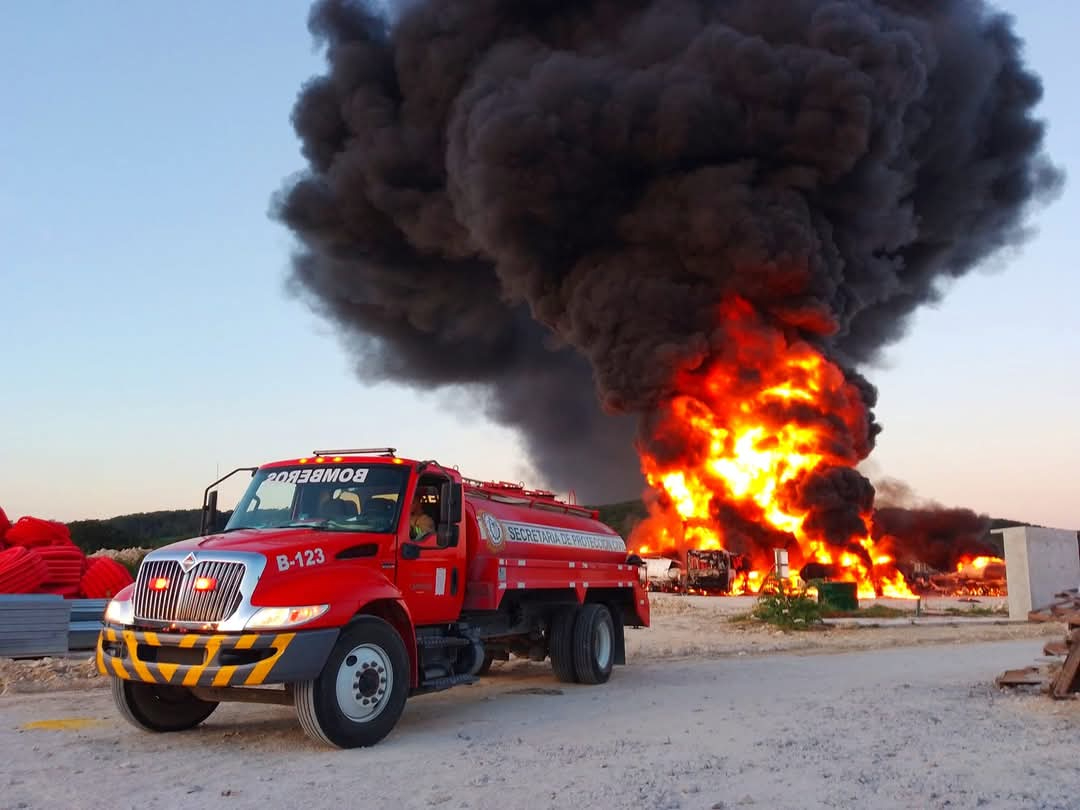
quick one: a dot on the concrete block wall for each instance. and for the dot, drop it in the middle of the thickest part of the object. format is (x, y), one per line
(1038, 564)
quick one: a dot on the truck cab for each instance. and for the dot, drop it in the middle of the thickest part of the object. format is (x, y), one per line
(399, 518)
(346, 581)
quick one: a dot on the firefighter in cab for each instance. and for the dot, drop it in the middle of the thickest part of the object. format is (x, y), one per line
(420, 523)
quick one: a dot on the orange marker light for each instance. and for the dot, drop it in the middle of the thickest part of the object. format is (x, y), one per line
(205, 584)
(159, 584)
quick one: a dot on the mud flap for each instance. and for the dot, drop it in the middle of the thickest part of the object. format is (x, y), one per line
(620, 635)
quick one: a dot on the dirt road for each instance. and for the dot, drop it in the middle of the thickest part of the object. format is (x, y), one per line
(893, 728)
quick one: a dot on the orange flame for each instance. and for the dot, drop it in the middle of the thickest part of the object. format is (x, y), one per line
(756, 425)
(978, 563)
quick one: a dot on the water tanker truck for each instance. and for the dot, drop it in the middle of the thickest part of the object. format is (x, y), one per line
(347, 581)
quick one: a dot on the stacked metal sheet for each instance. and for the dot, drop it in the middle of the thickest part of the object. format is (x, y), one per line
(33, 625)
(86, 615)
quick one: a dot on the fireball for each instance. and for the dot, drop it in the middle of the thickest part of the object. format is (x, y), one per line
(766, 437)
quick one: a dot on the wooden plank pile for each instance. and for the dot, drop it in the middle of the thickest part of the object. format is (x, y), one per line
(1060, 678)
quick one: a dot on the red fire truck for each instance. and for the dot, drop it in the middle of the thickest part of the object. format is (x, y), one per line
(349, 580)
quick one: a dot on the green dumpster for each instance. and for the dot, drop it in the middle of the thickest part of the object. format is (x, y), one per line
(839, 595)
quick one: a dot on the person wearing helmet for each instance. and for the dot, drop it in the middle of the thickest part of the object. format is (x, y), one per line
(420, 523)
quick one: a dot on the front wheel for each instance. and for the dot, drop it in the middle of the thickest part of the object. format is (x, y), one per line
(358, 697)
(159, 708)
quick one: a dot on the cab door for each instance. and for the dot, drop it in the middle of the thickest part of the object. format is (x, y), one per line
(430, 575)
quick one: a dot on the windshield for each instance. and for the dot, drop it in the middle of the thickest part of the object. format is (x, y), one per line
(327, 496)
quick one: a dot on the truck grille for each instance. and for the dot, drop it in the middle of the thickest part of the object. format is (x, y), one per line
(179, 601)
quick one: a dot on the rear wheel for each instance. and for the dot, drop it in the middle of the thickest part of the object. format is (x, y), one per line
(358, 697)
(594, 644)
(561, 644)
(159, 708)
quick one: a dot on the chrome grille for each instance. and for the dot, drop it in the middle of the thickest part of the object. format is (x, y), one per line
(180, 602)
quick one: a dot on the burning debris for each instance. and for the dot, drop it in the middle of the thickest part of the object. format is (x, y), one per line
(713, 210)
(930, 533)
(978, 576)
(942, 551)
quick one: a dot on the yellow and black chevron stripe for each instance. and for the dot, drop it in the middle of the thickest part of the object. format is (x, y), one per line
(210, 672)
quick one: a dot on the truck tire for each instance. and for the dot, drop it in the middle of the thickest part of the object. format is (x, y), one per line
(358, 697)
(159, 708)
(594, 644)
(561, 644)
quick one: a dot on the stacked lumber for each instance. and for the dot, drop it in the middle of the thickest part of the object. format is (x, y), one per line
(1060, 678)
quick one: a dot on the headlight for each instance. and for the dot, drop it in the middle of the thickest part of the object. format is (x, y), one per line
(268, 617)
(120, 611)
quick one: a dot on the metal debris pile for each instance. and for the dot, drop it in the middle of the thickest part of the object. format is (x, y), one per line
(1059, 677)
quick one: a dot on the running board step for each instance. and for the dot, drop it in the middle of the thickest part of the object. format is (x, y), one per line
(438, 684)
(434, 642)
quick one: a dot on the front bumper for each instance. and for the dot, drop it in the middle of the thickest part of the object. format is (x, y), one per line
(192, 659)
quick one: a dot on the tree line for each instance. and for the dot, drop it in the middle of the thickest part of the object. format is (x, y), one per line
(139, 530)
(153, 529)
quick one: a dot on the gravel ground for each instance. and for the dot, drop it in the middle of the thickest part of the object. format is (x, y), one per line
(683, 627)
(889, 728)
(48, 675)
(710, 713)
(703, 627)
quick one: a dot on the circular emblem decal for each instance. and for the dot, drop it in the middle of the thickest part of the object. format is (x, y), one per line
(494, 530)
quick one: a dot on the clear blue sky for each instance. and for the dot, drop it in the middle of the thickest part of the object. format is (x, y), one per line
(146, 338)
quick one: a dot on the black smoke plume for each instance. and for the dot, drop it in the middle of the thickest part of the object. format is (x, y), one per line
(934, 535)
(547, 200)
(926, 531)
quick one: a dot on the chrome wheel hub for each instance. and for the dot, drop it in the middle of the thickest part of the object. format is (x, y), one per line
(602, 645)
(364, 681)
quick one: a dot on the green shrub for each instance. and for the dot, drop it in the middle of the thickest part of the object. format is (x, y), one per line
(789, 611)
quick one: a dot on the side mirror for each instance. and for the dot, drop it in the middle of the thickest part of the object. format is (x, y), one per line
(209, 520)
(450, 504)
(410, 551)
